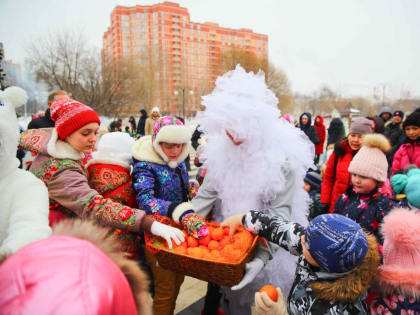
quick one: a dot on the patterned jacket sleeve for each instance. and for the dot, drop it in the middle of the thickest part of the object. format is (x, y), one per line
(276, 230)
(70, 188)
(144, 187)
(339, 205)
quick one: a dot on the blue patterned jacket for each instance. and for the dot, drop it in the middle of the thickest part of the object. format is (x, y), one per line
(159, 188)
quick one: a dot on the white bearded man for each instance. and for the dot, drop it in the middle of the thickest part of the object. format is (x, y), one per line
(254, 160)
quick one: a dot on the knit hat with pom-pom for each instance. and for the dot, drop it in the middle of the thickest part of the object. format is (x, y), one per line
(370, 161)
(401, 232)
(70, 115)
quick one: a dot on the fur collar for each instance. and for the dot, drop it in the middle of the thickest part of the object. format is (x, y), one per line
(353, 285)
(108, 160)
(62, 150)
(97, 235)
(143, 150)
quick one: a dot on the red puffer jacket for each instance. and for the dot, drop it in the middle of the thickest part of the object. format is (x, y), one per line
(320, 131)
(337, 178)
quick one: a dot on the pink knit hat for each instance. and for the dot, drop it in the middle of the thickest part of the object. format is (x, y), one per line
(70, 115)
(370, 161)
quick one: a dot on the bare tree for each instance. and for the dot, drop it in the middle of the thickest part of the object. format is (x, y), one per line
(62, 60)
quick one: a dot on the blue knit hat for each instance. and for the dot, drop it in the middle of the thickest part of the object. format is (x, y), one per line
(336, 243)
(313, 178)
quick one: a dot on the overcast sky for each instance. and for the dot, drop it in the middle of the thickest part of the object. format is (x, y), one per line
(350, 45)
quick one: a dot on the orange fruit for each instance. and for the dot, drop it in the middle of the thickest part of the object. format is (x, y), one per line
(217, 234)
(180, 250)
(204, 248)
(226, 230)
(185, 233)
(271, 291)
(225, 241)
(205, 240)
(213, 244)
(192, 242)
(195, 252)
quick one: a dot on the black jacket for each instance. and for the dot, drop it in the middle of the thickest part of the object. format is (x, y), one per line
(42, 122)
(142, 122)
(308, 129)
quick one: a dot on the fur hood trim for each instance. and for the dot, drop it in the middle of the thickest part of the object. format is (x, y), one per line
(378, 141)
(143, 150)
(353, 285)
(62, 150)
(137, 278)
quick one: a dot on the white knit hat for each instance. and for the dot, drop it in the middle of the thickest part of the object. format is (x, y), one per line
(114, 148)
(155, 109)
(371, 161)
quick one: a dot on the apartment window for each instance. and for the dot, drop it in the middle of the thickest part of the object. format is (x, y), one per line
(125, 30)
(126, 49)
(125, 17)
(126, 43)
(125, 24)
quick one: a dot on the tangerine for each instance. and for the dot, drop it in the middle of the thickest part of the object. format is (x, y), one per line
(225, 241)
(180, 250)
(195, 252)
(271, 291)
(205, 240)
(226, 230)
(192, 242)
(217, 234)
(213, 245)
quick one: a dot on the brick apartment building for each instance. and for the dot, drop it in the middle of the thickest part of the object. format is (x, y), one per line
(182, 53)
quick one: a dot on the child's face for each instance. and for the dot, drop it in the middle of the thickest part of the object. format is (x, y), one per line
(363, 184)
(412, 132)
(355, 141)
(84, 139)
(306, 186)
(172, 150)
(307, 254)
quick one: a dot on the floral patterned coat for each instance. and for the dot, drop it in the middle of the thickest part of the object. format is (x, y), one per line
(62, 170)
(159, 189)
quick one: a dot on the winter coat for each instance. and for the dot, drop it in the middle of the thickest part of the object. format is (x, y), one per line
(114, 182)
(150, 123)
(23, 197)
(159, 188)
(408, 153)
(142, 122)
(337, 178)
(385, 109)
(76, 271)
(314, 204)
(366, 209)
(63, 172)
(42, 122)
(394, 132)
(321, 133)
(308, 129)
(379, 124)
(314, 291)
(336, 131)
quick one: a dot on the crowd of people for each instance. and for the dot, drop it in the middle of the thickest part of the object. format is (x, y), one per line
(339, 210)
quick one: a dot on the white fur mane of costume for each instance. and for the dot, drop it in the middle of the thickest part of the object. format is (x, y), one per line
(242, 104)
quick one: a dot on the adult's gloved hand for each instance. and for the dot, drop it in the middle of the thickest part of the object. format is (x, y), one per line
(169, 233)
(233, 222)
(251, 271)
(265, 306)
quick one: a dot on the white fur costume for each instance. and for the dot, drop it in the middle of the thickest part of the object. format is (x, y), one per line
(263, 173)
(24, 198)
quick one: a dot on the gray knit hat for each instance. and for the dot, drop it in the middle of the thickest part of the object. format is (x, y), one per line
(361, 126)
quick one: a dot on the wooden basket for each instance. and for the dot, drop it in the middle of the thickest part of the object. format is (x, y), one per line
(222, 273)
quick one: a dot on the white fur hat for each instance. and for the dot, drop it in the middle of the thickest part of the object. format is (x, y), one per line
(172, 130)
(114, 148)
(155, 109)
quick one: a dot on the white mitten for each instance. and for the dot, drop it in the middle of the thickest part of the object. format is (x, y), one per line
(265, 306)
(168, 233)
(251, 271)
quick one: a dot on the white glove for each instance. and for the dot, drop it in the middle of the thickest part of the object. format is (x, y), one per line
(265, 306)
(252, 269)
(168, 233)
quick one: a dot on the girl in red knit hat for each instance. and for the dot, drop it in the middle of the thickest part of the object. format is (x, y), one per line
(59, 163)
